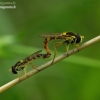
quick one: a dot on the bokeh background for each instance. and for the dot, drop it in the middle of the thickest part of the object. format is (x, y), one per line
(74, 78)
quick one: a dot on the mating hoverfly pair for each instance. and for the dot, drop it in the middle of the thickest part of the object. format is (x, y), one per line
(66, 37)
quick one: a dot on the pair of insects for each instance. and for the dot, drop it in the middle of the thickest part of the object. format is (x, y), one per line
(67, 37)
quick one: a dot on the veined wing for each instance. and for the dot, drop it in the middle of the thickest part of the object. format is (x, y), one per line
(29, 58)
(50, 35)
(59, 35)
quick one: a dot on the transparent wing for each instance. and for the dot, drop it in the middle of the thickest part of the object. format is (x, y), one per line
(34, 54)
(50, 35)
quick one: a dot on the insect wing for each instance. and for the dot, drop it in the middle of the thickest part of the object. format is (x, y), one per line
(32, 56)
(50, 35)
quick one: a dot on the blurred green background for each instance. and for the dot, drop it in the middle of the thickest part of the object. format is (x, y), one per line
(74, 78)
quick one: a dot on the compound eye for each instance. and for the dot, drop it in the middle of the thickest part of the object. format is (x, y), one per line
(13, 70)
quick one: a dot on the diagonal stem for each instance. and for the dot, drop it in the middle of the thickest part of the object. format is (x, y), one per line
(48, 64)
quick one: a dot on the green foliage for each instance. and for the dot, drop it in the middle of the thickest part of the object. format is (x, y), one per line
(74, 78)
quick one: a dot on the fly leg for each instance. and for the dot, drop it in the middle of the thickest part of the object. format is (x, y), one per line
(33, 66)
(67, 48)
(55, 51)
(77, 45)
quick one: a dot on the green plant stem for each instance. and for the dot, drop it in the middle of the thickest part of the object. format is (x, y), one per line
(48, 64)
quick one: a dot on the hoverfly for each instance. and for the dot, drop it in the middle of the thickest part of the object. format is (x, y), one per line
(22, 64)
(67, 37)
